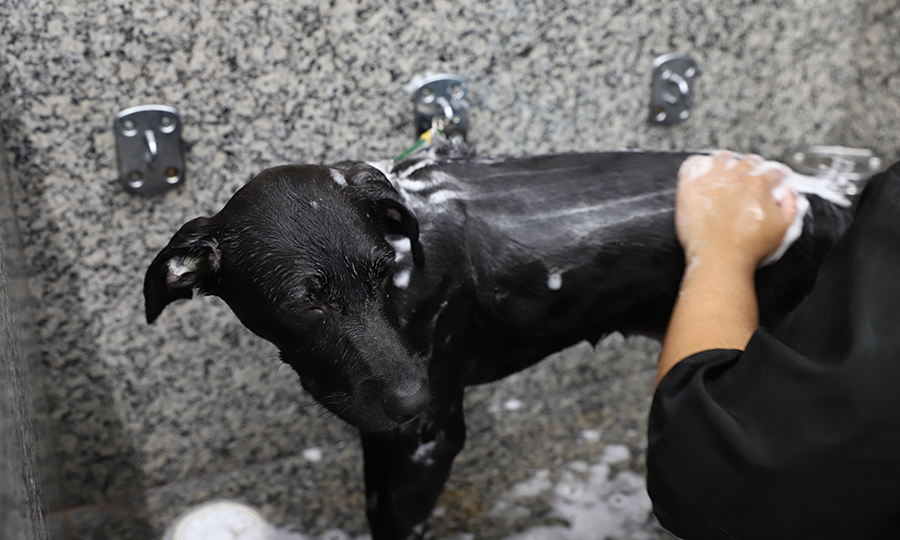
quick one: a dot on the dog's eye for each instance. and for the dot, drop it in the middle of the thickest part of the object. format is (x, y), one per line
(314, 305)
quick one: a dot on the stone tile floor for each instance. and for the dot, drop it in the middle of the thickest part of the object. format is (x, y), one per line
(553, 453)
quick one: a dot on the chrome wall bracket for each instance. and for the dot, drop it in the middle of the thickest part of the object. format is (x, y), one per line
(441, 101)
(150, 148)
(849, 168)
(672, 89)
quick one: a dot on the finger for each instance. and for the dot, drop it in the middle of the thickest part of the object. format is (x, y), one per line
(721, 157)
(694, 167)
(748, 164)
(761, 188)
(774, 176)
(788, 205)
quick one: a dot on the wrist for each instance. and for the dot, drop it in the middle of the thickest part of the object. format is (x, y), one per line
(727, 259)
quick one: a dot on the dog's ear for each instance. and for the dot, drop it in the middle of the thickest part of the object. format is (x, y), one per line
(374, 193)
(190, 261)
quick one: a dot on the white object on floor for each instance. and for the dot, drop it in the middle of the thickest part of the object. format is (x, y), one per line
(226, 520)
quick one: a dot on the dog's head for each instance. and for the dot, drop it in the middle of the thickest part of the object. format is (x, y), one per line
(301, 257)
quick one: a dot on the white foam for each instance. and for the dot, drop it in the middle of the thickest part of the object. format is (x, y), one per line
(181, 266)
(554, 280)
(421, 164)
(537, 484)
(313, 454)
(513, 405)
(826, 189)
(232, 520)
(401, 278)
(402, 246)
(338, 177)
(615, 453)
(593, 504)
(436, 178)
(795, 229)
(423, 453)
(604, 208)
(441, 197)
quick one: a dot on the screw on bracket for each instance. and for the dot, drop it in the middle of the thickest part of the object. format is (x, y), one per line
(150, 148)
(672, 89)
(441, 100)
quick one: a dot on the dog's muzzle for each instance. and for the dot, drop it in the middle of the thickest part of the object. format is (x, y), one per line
(404, 403)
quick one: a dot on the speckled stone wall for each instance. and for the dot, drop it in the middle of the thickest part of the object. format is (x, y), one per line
(25, 472)
(151, 419)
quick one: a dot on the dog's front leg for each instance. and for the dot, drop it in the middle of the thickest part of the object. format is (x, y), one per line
(406, 470)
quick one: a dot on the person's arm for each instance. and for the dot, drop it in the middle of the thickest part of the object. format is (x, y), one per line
(796, 436)
(727, 221)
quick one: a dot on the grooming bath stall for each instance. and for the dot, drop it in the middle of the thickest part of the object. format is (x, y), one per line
(113, 429)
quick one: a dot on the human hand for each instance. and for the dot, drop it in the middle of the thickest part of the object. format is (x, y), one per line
(725, 210)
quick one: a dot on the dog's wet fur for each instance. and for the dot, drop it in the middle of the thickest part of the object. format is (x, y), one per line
(388, 296)
(311, 277)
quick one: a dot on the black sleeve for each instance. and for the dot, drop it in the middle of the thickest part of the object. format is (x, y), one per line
(798, 436)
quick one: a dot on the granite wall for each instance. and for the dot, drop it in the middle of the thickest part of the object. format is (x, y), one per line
(151, 419)
(27, 475)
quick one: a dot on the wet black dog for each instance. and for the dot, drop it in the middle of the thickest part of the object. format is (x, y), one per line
(390, 294)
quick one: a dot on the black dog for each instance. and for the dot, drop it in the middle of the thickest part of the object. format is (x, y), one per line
(389, 297)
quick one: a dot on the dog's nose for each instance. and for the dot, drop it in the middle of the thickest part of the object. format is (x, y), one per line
(403, 404)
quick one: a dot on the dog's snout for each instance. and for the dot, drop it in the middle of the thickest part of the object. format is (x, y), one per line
(403, 404)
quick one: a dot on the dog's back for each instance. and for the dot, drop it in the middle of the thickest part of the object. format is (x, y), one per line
(550, 250)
